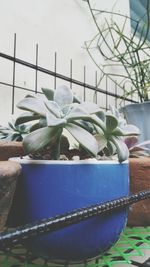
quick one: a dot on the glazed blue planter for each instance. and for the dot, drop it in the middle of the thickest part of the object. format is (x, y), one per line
(50, 188)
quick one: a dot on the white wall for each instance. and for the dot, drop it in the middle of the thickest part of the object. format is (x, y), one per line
(56, 25)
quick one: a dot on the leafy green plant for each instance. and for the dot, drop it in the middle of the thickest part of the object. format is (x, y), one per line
(136, 148)
(14, 132)
(122, 50)
(85, 121)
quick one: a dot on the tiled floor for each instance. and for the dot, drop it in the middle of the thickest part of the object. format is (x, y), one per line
(133, 249)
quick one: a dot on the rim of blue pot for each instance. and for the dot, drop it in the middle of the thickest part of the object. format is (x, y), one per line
(27, 160)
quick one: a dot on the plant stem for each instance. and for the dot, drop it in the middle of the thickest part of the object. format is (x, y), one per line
(56, 147)
(134, 64)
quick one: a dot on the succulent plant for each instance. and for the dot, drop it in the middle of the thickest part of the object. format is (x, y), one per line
(114, 134)
(14, 132)
(122, 123)
(136, 148)
(85, 121)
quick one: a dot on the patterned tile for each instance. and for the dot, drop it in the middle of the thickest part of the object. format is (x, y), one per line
(133, 249)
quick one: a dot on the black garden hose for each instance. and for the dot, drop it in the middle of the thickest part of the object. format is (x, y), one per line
(19, 234)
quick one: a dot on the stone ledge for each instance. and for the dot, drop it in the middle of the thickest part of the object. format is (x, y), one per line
(10, 149)
(139, 213)
(9, 172)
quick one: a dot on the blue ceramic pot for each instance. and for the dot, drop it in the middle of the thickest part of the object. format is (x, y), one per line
(49, 188)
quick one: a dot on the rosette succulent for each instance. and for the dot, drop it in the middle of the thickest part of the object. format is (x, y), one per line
(14, 132)
(94, 130)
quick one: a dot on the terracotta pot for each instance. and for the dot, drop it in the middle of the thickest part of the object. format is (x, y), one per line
(9, 172)
(10, 149)
(139, 213)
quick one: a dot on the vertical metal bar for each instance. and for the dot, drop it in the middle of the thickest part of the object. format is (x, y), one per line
(116, 90)
(55, 69)
(96, 87)
(84, 81)
(124, 101)
(36, 70)
(71, 73)
(131, 96)
(14, 74)
(106, 93)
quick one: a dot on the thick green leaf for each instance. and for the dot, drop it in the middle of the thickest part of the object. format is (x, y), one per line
(122, 150)
(90, 107)
(40, 138)
(51, 121)
(117, 132)
(5, 131)
(98, 122)
(23, 128)
(85, 125)
(84, 138)
(11, 125)
(63, 95)
(26, 117)
(49, 93)
(101, 140)
(65, 110)
(101, 114)
(76, 99)
(3, 128)
(32, 104)
(42, 122)
(14, 137)
(111, 147)
(77, 113)
(54, 108)
(91, 119)
(17, 137)
(130, 129)
(2, 136)
(111, 123)
(34, 127)
(30, 96)
(23, 136)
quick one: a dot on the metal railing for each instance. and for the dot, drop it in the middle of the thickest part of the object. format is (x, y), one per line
(56, 75)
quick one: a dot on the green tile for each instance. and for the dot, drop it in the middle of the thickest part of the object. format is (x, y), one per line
(132, 243)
